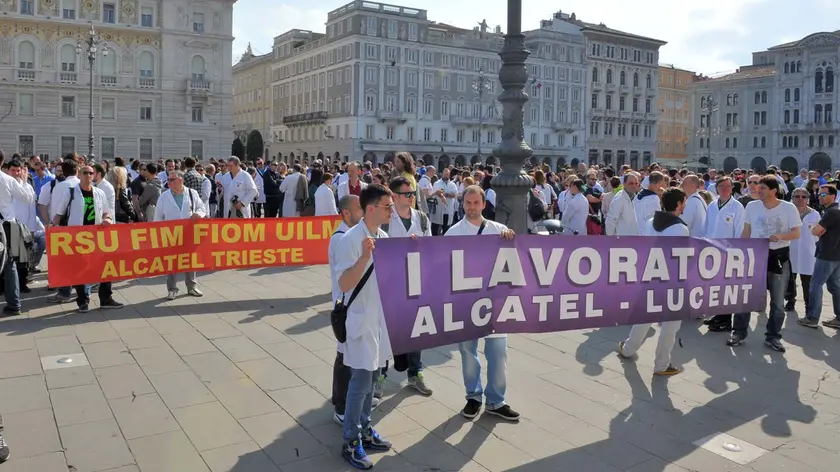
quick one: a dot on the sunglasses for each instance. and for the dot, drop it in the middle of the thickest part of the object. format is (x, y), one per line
(85, 172)
(172, 179)
(389, 206)
(821, 195)
(407, 194)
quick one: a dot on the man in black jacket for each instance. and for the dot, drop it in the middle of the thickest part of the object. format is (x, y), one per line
(271, 187)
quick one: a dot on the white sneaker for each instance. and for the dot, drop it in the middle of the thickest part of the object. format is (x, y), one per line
(172, 295)
(375, 403)
(194, 292)
(338, 419)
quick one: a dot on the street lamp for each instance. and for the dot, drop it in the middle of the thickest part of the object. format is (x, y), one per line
(512, 184)
(480, 85)
(90, 46)
(710, 108)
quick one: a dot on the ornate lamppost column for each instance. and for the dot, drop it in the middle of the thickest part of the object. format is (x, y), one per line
(90, 46)
(512, 184)
(481, 85)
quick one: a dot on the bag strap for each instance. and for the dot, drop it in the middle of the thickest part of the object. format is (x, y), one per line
(481, 228)
(70, 203)
(424, 222)
(359, 286)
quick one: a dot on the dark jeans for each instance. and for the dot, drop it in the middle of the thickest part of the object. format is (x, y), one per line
(105, 292)
(82, 294)
(256, 210)
(776, 286)
(341, 379)
(415, 364)
(790, 294)
(272, 206)
(440, 229)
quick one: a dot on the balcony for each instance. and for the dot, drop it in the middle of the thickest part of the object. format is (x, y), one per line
(146, 83)
(26, 75)
(651, 92)
(463, 120)
(611, 114)
(306, 118)
(597, 86)
(108, 80)
(383, 115)
(199, 87)
(610, 87)
(624, 89)
(563, 126)
(68, 77)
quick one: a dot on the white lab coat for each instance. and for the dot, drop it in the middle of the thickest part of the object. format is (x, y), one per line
(289, 189)
(325, 201)
(646, 207)
(575, 214)
(332, 254)
(344, 188)
(10, 190)
(694, 215)
(258, 181)
(167, 209)
(368, 345)
(803, 250)
(110, 195)
(621, 216)
(25, 207)
(241, 186)
(449, 207)
(206, 189)
(725, 222)
(396, 228)
(77, 206)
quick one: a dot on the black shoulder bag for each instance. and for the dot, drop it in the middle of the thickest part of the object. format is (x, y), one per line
(338, 316)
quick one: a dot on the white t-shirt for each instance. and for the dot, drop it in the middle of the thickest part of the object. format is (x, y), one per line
(766, 222)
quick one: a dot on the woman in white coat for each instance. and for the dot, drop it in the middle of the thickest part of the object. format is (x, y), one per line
(576, 211)
(802, 250)
(325, 198)
(180, 203)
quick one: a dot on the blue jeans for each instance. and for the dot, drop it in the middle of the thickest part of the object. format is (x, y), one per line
(825, 273)
(776, 286)
(11, 281)
(82, 293)
(39, 245)
(495, 352)
(357, 408)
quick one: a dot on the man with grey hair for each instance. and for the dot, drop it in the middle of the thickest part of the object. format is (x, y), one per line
(240, 192)
(621, 216)
(694, 213)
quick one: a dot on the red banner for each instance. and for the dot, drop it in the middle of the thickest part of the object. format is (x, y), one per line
(92, 254)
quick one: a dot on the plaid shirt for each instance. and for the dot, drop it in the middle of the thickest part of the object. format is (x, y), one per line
(192, 179)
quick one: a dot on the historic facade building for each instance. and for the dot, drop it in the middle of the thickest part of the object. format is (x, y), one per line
(779, 110)
(161, 77)
(675, 128)
(385, 78)
(252, 96)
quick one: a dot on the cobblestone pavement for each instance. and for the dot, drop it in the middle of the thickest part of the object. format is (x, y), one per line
(239, 381)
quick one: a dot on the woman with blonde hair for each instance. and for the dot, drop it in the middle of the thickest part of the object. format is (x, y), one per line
(118, 178)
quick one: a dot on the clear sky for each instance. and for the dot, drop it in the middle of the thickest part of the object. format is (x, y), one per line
(710, 37)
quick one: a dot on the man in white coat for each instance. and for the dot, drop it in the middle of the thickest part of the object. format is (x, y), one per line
(289, 189)
(353, 184)
(694, 215)
(83, 205)
(240, 192)
(181, 203)
(647, 201)
(621, 216)
(495, 345)
(367, 346)
(664, 222)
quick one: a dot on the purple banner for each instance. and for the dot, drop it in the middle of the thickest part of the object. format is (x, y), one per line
(443, 290)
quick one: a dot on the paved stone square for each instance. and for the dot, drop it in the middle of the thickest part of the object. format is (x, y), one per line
(239, 380)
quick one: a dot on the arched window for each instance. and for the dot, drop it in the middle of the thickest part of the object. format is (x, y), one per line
(764, 97)
(787, 95)
(787, 67)
(609, 76)
(828, 112)
(818, 81)
(68, 58)
(594, 74)
(622, 78)
(147, 65)
(798, 69)
(109, 64)
(787, 117)
(26, 55)
(818, 111)
(810, 141)
(729, 99)
(796, 141)
(763, 141)
(755, 142)
(829, 80)
(734, 142)
(197, 68)
(648, 81)
(735, 99)
(702, 102)
(757, 98)
(784, 141)
(796, 94)
(727, 142)
(821, 141)
(635, 79)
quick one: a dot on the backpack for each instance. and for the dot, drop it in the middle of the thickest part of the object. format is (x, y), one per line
(65, 219)
(424, 223)
(536, 209)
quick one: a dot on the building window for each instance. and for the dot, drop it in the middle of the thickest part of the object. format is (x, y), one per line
(198, 22)
(68, 58)
(147, 65)
(147, 17)
(109, 13)
(27, 7)
(197, 148)
(409, 134)
(26, 145)
(594, 74)
(68, 107)
(370, 103)
(145, 110)
(107, 108)
(369, 131)
(198, 114)
(443, 135)
(26, 55)
(427, 134)
(389, 132)
(146, 146)
(787, 94)
(26, 104)
(107, 148)
(68, 9)
(68, 145)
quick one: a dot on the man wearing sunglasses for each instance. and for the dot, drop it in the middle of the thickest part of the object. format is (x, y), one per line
(827, 265)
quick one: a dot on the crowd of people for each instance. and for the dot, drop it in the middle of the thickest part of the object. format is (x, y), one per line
(799, 215)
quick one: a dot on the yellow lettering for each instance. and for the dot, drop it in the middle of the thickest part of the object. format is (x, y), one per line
(329, 227)
(138, 235)
(217, 258)
(172, 236)
(284, 231)
(200, 231)
(196, 264)
(141, 266)
(269, 257)
(297, 255)
(254, 232)
(60, 242)
(102, 241)
(84, 243)
(170, 260)
(255, 257)
(310, 235)
(110, 271)
(157, 266)
(232, 259)
(183, 261)
(231, 233)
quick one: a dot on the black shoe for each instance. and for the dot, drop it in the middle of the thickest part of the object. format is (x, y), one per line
(372, 441)
(504, 412)
(25, 289)
(84, 308)
(4, 450)
(471, 409)
(110, 304)
(775, 344)
(720, 327)
(790, 306)
(11, 311)
(735, 340)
